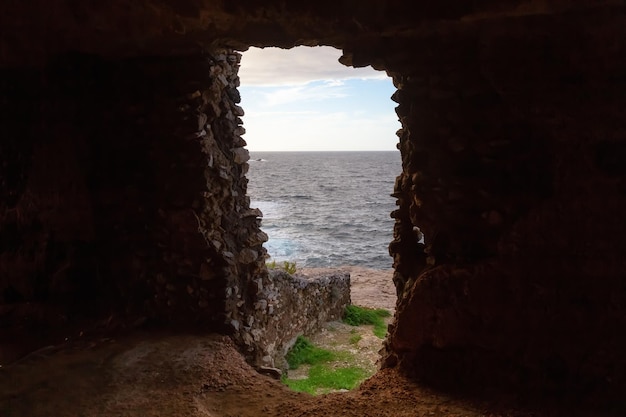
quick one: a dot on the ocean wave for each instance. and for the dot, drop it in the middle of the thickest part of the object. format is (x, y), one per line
(336, 220)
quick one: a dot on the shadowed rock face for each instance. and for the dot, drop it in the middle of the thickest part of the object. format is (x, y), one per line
(123, 169)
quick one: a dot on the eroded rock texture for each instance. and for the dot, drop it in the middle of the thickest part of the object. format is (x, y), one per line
(124, 188)
(506, 173)
(123, 174)
(288, 306)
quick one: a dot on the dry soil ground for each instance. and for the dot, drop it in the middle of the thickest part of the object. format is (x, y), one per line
(190, 375)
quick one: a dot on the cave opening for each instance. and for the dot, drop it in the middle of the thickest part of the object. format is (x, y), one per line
(322, 158)
(322, 170)
(123, 194)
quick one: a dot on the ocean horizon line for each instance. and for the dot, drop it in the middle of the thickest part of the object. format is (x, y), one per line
(329, 151)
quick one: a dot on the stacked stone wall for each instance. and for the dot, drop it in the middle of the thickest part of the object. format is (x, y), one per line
(124, 190)
(286, 306)
(125, 201)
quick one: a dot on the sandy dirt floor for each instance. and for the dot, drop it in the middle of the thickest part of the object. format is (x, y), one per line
(150, 374)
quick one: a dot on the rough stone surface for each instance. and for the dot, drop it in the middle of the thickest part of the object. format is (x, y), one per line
(129, 204)
(287, 306)
(502, 175)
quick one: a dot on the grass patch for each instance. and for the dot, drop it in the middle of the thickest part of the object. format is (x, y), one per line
(357, 316)
(322, 379)
(323, 375)
(304, 352)
(288, 267)
(354, 339)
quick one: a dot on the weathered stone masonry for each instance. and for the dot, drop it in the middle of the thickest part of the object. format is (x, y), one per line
(128, 182)
(287, 306)
(155, 173)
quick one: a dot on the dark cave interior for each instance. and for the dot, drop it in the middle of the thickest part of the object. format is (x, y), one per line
(123, 188)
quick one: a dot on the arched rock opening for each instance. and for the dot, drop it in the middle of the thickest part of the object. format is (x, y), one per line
(123, 175)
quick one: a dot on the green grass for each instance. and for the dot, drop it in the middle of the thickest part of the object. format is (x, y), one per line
(288, 267)
(322, 379)
(304, 352)
(357, 316)
(354, 339)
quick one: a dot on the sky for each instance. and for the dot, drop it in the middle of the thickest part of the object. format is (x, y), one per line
(303, 99)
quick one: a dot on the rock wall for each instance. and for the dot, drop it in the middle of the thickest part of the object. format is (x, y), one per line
(507, 131)
(124, 191)
(287, 306)
(125, 203)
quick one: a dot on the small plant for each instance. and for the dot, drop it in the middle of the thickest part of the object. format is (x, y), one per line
(288, 267)
(357, 316)
(322, 379)
(355, 339)
(304, 352)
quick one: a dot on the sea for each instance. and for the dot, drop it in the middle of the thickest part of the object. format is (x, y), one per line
(326, 209)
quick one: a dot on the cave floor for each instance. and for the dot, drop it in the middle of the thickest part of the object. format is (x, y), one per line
(191, 375)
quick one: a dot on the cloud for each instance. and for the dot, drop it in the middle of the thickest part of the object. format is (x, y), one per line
(310, 92)
(275, 66)
(304, 99)
(262, 114)
(321, 131)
